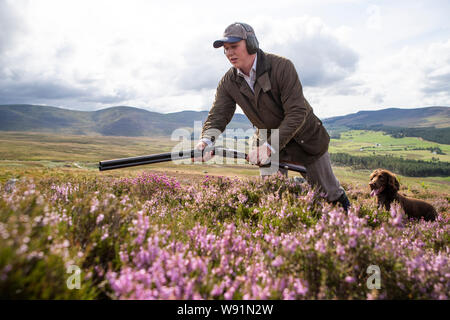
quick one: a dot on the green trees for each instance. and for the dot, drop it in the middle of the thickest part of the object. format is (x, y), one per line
(411, 168)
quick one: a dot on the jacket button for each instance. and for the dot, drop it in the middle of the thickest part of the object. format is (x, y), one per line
(318, 123)
(302, 141)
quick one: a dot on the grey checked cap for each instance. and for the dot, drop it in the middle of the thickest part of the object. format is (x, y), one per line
(235, 32)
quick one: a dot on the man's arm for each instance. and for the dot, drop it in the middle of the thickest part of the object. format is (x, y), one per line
(221, 112)
(219, 116)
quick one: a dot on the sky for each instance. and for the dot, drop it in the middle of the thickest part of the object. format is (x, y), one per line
(351, 55)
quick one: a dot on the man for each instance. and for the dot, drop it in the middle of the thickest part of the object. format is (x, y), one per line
(268, 90)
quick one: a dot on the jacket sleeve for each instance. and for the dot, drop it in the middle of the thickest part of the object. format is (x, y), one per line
(295, 107)
(221, 112)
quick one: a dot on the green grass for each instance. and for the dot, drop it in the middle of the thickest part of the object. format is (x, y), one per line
(368, 143)
(25, 146)
(37, 154)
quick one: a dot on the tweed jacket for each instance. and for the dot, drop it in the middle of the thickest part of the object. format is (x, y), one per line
(277, 102)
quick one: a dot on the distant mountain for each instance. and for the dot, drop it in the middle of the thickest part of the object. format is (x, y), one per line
(431, 123)
(114, 121)
(130, 121)
(438, 117)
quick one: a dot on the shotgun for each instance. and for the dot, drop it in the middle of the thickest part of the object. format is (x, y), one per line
(185, 154)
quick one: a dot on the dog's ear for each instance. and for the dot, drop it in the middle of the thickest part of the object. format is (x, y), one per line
(374, 174)
(393, 182)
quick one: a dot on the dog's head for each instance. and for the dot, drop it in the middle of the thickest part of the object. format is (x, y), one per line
(382, 180)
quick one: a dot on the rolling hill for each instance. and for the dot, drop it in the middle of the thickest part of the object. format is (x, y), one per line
(130, 121)
(438, 117)
(114, 121)
(431, 123)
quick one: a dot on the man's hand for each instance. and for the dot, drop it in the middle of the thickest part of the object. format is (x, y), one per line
(260, 155)
(206, 155)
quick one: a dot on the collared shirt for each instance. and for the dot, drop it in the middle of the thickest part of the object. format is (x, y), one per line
(251, 79)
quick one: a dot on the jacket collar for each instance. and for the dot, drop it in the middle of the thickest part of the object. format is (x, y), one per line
(262, 66)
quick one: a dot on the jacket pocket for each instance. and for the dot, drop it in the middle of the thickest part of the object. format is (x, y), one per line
(313, 137)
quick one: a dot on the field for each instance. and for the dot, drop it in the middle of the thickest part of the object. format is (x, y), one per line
(368, 143)
(171, 231)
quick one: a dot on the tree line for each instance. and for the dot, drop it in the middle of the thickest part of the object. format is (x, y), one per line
(406, 167)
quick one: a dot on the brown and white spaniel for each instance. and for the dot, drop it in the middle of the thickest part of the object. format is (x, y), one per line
(385, 186)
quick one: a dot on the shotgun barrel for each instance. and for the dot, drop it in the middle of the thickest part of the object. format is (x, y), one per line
(186, 154)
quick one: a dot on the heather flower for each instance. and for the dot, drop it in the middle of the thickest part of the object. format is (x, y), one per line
(350, 279)
(352, 242)
(301, 287)
(224, 239)
(320, 246)
(277, 262)
(340, 250)
(100, 218)
(397, 214)
(94, 205)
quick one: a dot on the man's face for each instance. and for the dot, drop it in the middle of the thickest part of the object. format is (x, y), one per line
(237, 54)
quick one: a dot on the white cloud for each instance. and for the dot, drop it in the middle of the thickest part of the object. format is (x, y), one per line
(10, 26)
(413, 77)
(350, 55)
(374, 20)
(319, 56)
(436, 69)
